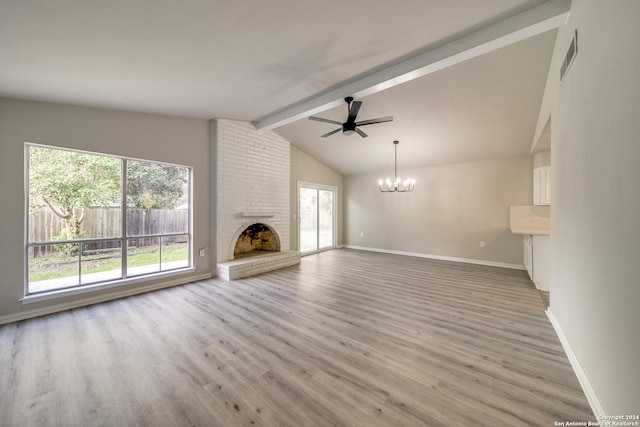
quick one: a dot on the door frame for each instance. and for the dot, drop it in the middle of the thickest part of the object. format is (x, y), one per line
(334, 219)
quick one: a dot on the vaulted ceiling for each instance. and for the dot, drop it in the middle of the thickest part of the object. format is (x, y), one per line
(252, 60)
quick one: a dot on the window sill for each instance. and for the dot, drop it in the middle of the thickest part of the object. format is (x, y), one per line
(61, 293)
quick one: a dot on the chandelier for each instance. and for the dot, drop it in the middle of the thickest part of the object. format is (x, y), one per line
(397, 185)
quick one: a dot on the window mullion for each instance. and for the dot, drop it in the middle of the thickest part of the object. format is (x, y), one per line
(79, 263)
(123, 218)
(317, 219)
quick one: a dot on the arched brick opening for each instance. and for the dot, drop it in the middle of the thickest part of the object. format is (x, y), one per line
(254, 239)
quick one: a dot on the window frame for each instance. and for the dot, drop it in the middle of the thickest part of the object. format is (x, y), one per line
(126, 278)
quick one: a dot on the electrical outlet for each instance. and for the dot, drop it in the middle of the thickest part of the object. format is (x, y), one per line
(482, 243)
(202, 251)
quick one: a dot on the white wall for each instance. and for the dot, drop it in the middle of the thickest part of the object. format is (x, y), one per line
(452, 209)
(144, 136)
(306, 168)
(252, 175)
(595, 221)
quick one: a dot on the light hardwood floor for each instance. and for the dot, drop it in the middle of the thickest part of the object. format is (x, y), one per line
(347, 338)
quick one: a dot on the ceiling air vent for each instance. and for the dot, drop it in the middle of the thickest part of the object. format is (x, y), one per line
(571, 54)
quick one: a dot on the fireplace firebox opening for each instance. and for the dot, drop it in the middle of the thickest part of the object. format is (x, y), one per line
(257, 239)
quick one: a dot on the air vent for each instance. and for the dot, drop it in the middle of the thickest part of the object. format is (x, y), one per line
(571, 54)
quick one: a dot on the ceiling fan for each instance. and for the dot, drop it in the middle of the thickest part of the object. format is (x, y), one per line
(351, 126)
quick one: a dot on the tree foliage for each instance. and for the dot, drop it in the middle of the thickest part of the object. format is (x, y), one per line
(69, 182)
(155, 186)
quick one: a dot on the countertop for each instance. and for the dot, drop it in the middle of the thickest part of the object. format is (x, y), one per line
(533, 220)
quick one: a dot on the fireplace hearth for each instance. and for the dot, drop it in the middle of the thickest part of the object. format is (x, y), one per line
(256, 249)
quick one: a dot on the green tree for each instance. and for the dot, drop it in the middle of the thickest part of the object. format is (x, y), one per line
(68, 182)
(155, 186)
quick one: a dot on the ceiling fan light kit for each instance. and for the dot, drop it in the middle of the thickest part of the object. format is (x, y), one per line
(397, 185)
(351, 126)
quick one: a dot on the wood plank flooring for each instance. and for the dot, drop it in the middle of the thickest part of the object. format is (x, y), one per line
(346, 338)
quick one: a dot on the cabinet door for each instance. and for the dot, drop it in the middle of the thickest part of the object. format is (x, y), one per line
(528, 255)
(542, 262)
(542, 185)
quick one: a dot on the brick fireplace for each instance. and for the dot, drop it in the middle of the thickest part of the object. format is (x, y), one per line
(252, 187)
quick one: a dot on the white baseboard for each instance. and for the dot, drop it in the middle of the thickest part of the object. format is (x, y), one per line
(42, 311)
(592, 398)
(443, 258)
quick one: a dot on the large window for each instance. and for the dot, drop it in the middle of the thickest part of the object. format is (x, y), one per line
(97, 219)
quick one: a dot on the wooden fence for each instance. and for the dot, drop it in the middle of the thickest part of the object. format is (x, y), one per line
(45, 226)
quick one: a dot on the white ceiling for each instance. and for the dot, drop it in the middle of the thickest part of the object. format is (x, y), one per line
(247, 59)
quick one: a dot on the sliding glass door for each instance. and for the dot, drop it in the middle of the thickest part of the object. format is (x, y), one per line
(316, 217)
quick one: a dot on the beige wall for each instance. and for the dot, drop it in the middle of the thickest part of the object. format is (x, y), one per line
(452, 209)
(144, 136)
(306, 168)
(595, 220)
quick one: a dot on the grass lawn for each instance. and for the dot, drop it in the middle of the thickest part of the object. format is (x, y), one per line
(57, 266)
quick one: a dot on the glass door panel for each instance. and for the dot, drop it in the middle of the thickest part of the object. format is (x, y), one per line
(308, 219)
(316, 218)
(325, 219)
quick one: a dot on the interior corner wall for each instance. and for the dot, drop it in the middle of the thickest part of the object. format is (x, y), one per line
(136, 135)
(451, 210)
(306, 168)
(595, 220)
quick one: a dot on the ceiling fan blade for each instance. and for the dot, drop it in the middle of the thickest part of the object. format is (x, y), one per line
(353, 111)
(374, 121)
(320, 119)
(362, 134)
(331, 133)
